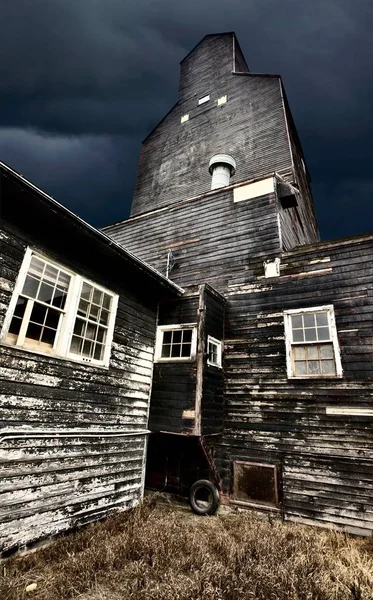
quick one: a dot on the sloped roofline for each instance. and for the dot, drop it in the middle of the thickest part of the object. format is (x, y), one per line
(100, 235)
(232, 33)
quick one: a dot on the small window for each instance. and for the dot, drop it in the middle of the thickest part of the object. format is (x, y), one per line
(204, 99)
(255, 483)
(55, 311)
(176, 342)
(312, 344)
(214, 348)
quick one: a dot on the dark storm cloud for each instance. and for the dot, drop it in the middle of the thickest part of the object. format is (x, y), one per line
(88, 172)
(92, 77)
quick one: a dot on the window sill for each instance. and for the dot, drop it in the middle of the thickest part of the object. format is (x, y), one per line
(175, 360)
(303, 377)
(210, 364)
(55, 356)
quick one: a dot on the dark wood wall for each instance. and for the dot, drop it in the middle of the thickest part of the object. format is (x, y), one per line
(213, 239)
(212, 404)
(73, 436)
(323, 460)
(250, 126)
(174, 383)
(326, 460)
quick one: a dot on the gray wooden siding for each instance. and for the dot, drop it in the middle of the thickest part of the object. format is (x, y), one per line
(72, 435)
(251, 127)
(213, 239)
(213, 377)
(327, 460)
(174, 383)
(298, 225)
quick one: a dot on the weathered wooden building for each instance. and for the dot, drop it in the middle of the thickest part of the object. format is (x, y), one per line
(255, 355)
(77, 320)
(263, 375)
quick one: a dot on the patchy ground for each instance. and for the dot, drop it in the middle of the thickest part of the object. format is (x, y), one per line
(157, 553)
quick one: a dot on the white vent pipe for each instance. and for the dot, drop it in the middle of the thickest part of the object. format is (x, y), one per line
(221, 168)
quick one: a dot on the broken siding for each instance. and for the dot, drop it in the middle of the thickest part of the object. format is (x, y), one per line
(298, 224)
(66, 456)
(326, 459)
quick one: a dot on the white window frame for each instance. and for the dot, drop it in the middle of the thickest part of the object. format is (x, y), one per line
(219, 346)
(329, 309)
(159, 343)
(61, 346)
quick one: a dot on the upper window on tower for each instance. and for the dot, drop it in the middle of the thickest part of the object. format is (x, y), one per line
(204, 99)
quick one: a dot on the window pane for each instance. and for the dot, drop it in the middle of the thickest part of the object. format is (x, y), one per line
(83, 308)
(48, 336)
(59, 298)
(94, 312)
(45, 293)
(186, 350)
(176, 338)
(106, 302)
(30, 287)
(323, 333)
(166, 351)
(79, 327)
(36, 266)
(91, 331)
(300, 367)
(76, 344)
(167, 336)
(38, 313)
(19, 310)
(328, 367)
(309, 320)
(327, 351)
(63, 280)
(299, 352)
(175, 350)
(87, 348)
(313, 352)
(314, 367)
(34, 331)
(52, 318)
(310, 335)
(322, 319)
(50, 274)
(297, 322)
(99, 352)
(298, 335)
(15, 325)
(187, 335)
(104, 317)
(86, 291)
(101, 335)
(97, 296)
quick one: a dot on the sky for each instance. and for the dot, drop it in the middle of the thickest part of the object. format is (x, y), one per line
(82, 82)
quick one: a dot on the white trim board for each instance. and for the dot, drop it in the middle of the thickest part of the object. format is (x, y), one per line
(349, 410)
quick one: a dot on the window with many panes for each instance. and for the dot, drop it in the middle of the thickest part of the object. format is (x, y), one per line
(175, 342)
(214, 348)
(312, 344)
(55, 311)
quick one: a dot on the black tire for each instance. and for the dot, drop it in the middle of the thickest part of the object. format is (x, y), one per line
(203, 487)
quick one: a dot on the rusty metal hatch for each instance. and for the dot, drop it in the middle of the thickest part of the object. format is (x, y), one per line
(255, 483)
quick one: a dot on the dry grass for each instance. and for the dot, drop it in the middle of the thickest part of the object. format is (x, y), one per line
(156, 553)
